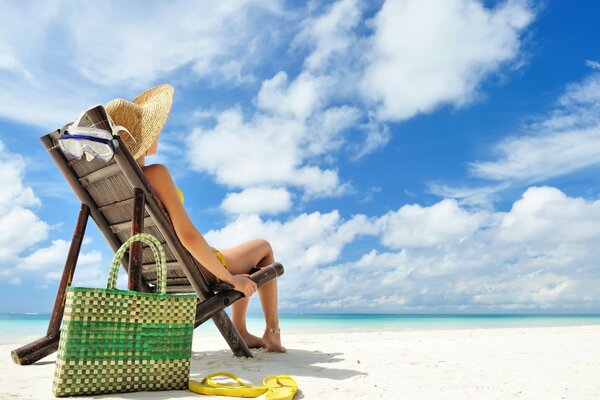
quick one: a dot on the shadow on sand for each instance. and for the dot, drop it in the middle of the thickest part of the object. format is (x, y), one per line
(297, 363)
(294, 362)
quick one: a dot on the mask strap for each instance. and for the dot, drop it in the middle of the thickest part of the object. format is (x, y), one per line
(121, 128)
(114, 129)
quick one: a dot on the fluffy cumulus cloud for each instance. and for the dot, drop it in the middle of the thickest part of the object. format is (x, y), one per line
(281, 144)
(48, 262)
(21, 227)
(267, 150)
(427, 53)
(22, 233)
(541, 254)
(299, 99)
(257, 200)
(417, 226)
(547, 215)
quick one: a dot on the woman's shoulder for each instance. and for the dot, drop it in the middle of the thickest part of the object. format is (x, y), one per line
(157, 173)
(151, 167)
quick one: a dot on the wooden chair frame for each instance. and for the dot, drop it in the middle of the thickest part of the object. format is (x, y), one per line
(211, 301)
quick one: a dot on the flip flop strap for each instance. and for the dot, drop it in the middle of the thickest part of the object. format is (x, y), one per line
(209, 382)
(266, 378)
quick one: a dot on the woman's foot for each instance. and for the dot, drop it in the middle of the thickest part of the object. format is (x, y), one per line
(272, 339)
(253, 342)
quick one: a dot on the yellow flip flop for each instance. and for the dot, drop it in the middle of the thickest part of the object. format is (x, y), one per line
(280, 387)
(237, 389)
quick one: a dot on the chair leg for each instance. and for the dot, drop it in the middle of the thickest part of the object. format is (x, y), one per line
(48, 344)
(136, 249)
(231, 335)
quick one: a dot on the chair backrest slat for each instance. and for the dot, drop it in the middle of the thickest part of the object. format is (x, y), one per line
(100, 174)
(125, 226)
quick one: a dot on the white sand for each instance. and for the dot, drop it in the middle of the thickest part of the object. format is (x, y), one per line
(520, 363)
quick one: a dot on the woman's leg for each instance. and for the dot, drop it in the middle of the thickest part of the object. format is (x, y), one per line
(268, 300)
(240, 260)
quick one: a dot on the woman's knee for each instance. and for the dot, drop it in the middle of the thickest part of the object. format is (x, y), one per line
(266, 253)
(265, 246)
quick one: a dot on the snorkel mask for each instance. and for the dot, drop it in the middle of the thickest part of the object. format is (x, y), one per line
(91, 134)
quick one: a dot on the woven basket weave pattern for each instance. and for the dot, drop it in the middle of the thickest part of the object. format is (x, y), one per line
(121, 341)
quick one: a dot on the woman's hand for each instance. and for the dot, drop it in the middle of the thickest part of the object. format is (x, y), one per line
(243, 283)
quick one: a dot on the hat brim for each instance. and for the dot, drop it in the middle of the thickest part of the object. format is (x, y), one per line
(144, 117)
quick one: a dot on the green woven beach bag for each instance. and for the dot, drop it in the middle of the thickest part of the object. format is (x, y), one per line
(115, 340)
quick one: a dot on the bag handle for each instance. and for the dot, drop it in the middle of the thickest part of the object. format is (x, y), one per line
(159, 257)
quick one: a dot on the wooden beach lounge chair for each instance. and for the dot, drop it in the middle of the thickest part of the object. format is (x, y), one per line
(121, 202)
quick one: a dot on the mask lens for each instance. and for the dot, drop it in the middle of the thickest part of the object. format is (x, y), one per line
(71, 147)
(100, 150)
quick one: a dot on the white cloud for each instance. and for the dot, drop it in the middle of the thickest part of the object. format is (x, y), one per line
(23, 230)
(257, 200)
(12, 170)
(330, 35)
(303, 243)
(21, 227)
(301, 124)
(180, 33)
(416, 226)
(271, 150)
(299, 99)
(585, 93)
(542, 254)
(566, 141)
(48, 262)
(526, 292)
(376, 137)
(57, 65)
(284, 141)
(535, 158)
(424, 54)
(478, 196)
(592, 64)
(547, 215)
(46, 256)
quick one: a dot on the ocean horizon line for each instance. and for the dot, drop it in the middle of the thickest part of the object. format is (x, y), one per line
(375, 314)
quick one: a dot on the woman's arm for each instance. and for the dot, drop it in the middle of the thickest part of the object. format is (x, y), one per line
(162, 183)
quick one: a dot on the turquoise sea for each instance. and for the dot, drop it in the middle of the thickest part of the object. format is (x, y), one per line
(23, 328)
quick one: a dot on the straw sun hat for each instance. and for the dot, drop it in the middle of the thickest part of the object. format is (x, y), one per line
(144, 117)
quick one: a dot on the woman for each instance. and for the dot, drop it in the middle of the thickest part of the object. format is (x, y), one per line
(144, 118)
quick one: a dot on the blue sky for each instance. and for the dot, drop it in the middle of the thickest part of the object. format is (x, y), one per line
(401, 156)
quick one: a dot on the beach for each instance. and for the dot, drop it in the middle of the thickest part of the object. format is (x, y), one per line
(561, 362)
